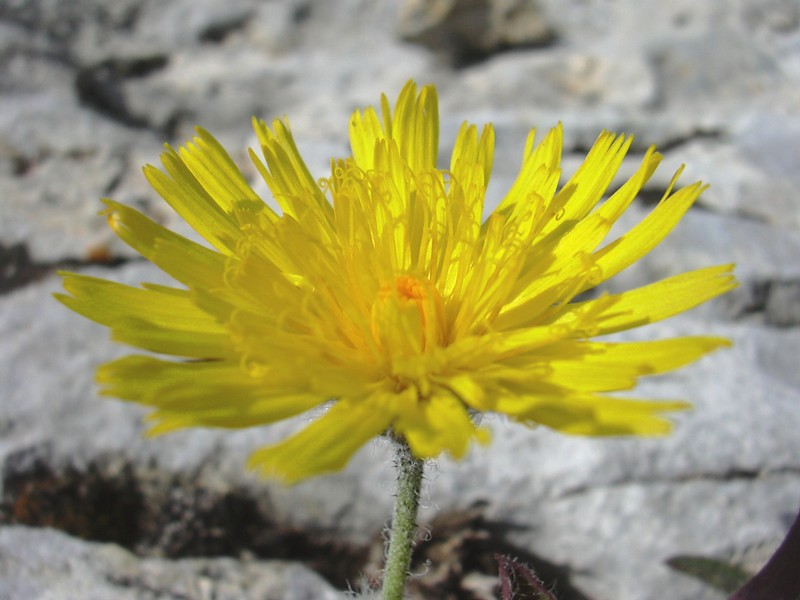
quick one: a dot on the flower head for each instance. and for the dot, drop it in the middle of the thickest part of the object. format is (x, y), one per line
(382, 293)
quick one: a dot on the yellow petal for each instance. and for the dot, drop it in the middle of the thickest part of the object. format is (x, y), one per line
(413, 127)
(289, 179)
(187, 197)
(188, 262)
(326, 444)
(593, 415)
(586, 187)
(537, 165)
(587, 233)
(646, 235)
(172, 324)
(659, 300)
(436, 423)
(365, 131)
(212, 167)
(603, 367)
(207, 190)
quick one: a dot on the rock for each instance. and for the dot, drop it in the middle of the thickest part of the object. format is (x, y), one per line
(73, 227)
(198, 87)
(467, 30)
(783, 303)
(754, 171)
(90, 91)
(685, 82)
(60, 24)
(44, 563)
(49, 137)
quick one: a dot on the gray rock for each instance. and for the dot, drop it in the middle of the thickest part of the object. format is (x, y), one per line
(89, 91)
(39, 564)
(703, 70)
(783, 303)
(198, 87)
(467, 30)
(56, 23)
(72, 228)
(754, 173)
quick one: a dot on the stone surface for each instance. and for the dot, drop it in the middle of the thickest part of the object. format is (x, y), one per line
(464, 31)
(89, 90)
(44, 564)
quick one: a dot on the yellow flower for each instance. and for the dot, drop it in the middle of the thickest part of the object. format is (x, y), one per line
(382, 294)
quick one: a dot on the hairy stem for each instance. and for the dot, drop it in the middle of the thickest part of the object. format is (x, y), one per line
(404, 519)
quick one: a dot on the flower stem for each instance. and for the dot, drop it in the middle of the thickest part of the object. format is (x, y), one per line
(404, 519)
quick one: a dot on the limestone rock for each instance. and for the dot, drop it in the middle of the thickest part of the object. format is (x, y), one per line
(466, 30)
(39, 564)
(89, 90)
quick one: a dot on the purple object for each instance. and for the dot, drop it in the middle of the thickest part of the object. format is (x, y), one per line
(780, 577)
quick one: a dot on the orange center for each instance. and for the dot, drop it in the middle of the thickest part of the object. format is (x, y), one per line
(410, 288)
(408, 292)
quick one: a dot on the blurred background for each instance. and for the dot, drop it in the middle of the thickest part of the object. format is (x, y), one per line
(91, 89)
